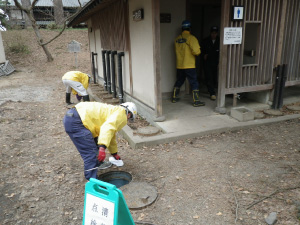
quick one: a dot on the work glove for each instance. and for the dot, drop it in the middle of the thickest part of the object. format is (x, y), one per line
(116, 156)
(101, 155)
(78, 97)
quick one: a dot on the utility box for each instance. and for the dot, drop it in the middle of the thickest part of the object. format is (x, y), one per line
(242, 114)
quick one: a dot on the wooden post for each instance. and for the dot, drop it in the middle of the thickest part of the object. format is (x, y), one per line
(156, 56)
(223, 58)
(281, 32)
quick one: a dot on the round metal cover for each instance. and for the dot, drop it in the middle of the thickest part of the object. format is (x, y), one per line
(139, 194)
(118, 178)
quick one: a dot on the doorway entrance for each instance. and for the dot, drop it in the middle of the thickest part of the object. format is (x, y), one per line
(203, 15)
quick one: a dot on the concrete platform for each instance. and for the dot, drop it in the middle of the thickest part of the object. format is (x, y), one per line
(183, 121)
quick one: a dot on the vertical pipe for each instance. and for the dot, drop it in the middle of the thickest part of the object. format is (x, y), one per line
(120, 54)
(94, 70)
(113, 73)
(108, 71)
(104, 69)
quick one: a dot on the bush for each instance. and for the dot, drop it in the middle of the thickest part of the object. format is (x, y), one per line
(53, 26)
(17, 45)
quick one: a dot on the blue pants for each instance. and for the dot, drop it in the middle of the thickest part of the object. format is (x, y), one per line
(83, 140)
(190, 74)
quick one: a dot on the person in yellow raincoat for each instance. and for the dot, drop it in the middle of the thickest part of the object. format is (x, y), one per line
(78, 83)
(92, 126)
(187, 48)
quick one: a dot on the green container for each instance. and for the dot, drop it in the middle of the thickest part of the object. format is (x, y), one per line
(105, 204)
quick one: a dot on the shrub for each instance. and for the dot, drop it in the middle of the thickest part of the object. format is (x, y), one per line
(17, 45)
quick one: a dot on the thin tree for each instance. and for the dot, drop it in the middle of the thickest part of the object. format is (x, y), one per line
(29, 12)
(58, 12)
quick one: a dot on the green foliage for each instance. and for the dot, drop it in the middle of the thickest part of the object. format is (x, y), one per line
(17, 45)
(54, 26)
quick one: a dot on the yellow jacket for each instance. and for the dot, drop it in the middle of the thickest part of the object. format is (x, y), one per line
(103, 121)
(186, 47)
(77, 76)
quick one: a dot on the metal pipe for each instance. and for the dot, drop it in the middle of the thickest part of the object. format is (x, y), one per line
(113, 73)
(277, 87)
(120, 54)
(94, 70)
(282, 85)
(104, 69)
(108, 71)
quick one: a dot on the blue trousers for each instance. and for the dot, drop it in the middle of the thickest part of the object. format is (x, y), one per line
(190, 74)
(84, 142)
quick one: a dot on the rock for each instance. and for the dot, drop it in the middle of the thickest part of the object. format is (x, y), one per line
(148, 131)
(271, 218)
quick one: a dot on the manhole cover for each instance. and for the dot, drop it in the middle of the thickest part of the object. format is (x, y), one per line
(294, 107)
(118, 178)
(139, 194)
(147, 131)
(273, 112)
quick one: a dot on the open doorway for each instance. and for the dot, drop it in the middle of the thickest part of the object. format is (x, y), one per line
(203, 15)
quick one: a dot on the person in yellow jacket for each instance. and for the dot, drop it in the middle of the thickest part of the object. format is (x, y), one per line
(187, 48)
(78, 83)
(92, 126)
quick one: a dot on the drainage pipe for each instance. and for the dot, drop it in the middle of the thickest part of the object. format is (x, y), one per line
(113, 73)
(93, 64)
(120, 54)
(108, 71)
(104, 69)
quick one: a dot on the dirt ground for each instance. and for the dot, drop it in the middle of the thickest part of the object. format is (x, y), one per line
(206, 180)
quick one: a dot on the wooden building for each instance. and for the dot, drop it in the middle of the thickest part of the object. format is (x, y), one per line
(269, 35)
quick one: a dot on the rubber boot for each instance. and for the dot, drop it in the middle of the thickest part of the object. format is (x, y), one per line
(68, 98)
(196, 99)
(175, 95)
(86, 98)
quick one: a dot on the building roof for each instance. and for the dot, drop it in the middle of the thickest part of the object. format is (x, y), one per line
(88, 10)
(49, 3)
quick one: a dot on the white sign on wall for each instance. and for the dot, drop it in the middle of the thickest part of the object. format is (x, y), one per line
(233, 35)
(238, 12)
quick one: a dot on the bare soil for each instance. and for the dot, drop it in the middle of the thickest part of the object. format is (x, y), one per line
(206, 180)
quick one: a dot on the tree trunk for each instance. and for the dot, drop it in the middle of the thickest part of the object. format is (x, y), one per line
(39, 37)
(58, 12)
(26, 4)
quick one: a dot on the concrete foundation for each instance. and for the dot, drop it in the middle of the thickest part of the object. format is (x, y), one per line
(242, 114)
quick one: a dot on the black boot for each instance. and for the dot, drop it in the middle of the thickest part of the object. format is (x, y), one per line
(196, 99)
(86, 98)
(175, 95)
(68, 98)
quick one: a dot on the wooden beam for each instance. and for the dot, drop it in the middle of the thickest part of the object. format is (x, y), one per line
(223, 57)
(156, 57)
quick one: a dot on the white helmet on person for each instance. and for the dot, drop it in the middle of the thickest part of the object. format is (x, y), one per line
(130, 108)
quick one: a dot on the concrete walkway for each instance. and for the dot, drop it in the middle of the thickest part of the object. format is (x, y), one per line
(183, 121)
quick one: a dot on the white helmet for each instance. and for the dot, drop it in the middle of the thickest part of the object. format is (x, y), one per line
(130, 108)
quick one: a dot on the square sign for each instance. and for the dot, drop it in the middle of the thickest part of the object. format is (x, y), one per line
(74, 46)
(237, 12)
(233, 35)
(98, 211)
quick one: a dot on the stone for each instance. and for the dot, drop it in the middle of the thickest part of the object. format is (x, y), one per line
(139, 194)
(273, 112)
(293, 107)
(147, 131)
(271, 218)
(159, 119)
(242, 114)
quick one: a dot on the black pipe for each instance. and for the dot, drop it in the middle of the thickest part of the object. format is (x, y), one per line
(282, 85)
(94, 69)
(120, 54)
(276, 87)
(113, 73)
(108, 71)
(104, 69)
